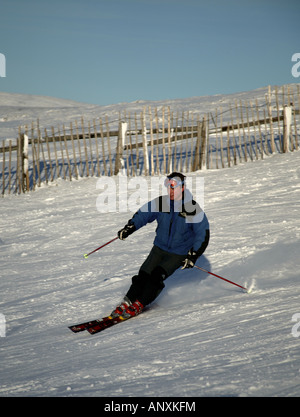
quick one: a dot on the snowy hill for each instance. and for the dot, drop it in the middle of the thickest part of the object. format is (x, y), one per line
(22, 109)
(201, 337)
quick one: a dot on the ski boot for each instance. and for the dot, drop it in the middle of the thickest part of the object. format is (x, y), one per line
(133, 310)
(121, 308)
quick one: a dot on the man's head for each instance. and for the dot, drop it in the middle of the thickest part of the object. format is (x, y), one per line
(175, 184)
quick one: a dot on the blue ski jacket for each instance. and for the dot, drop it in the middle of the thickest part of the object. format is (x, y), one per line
(181, 225)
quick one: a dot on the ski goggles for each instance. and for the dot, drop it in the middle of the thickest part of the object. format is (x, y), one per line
(172, 182)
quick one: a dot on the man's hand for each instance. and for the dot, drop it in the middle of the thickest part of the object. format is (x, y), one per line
(126, 231)
(190, 260)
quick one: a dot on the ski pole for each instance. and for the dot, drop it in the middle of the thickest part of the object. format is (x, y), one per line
(107, 243)
(218, 276)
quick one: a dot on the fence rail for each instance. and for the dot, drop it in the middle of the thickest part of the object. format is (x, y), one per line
(152, 142)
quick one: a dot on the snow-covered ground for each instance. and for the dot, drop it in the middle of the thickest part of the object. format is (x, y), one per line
(201, 337)
(23, 109)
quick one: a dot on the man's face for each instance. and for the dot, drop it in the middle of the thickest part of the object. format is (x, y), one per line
(175, 189)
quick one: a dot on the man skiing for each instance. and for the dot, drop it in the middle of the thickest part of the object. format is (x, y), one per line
(182, 236)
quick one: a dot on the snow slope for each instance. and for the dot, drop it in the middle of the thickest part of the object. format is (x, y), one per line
(23, 109)
(201, 337)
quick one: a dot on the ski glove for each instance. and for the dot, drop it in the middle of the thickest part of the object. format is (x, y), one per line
(190, 260)
(126, 231)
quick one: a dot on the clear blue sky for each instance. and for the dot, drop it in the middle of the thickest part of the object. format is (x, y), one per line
(111, 51)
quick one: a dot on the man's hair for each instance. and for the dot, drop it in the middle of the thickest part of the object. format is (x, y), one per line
(177, 175)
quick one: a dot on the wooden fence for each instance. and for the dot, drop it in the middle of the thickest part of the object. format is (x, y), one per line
(152, 143)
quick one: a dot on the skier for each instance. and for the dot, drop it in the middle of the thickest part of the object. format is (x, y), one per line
(182, 236)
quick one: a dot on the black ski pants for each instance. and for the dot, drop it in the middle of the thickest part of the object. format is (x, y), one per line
(148, 284)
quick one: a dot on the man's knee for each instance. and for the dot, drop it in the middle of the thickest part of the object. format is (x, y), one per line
(157, 277)
(154, 280)
(140, 278)
(146, 287)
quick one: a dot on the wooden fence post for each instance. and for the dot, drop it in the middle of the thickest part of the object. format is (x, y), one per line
(145, 145)
(151, 141)
(228, 148)
(216, 128)
(97, 149)
(85, 148)
(25, 179)
(203, 151)
(248, 132)
(67, 153)
(91, 148)
(239, 130)
(103, 147)
(208, 148)
(287, 120)
(74, 153)
(255, 138)
(259, 130)
(108, 145)
(169, 168)
(244, 133)
(163, 142)
(131, 149)
(79, 149)
(295, 123)
(3, 167)
(9, 168)
(19, 166)
(196, 161)
(23, 143)
(55, 152)
(221, 139)
(49, 154)
(269, 107)
(119, 163)
(158, 169)
(40, 139)
(62, 155)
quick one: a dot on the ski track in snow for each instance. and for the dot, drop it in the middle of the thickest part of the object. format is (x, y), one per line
(201, 337)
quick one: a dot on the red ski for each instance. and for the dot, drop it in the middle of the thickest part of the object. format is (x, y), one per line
(84, 326)
(104, 324)
(96, 326)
